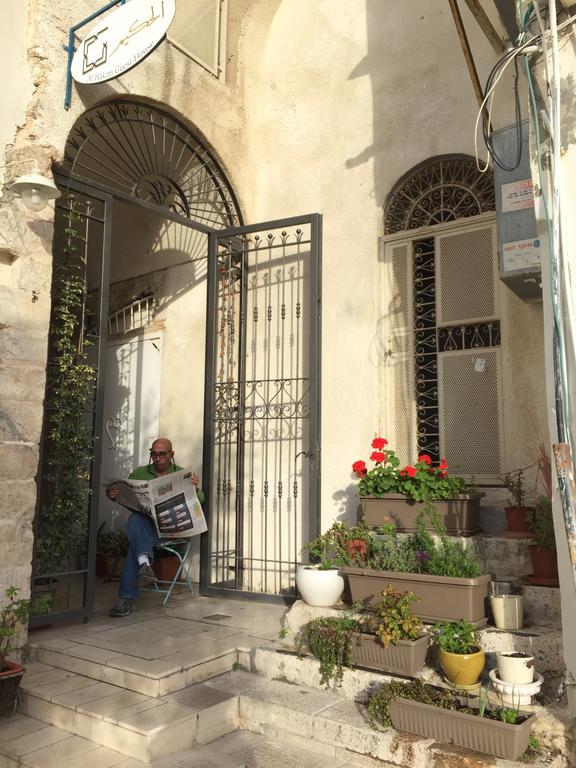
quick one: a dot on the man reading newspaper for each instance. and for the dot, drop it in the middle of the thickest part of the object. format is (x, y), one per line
(142, 526)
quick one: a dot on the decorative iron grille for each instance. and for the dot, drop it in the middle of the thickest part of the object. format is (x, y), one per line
(148, 154)
(442, 189)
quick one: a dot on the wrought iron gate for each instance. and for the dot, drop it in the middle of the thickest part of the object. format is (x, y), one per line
(66, 517)
(261, 471)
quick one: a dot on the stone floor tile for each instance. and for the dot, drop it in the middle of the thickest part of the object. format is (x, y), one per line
(30, 742)
(74, 748)
(157, 718)
(92, 653)
(102, 757)
(18, 725)
(71, 683)
(155, 668)
(106, 706)
(200, 651)
(198, 697)
(33, 679)
(238, 682)
(73, 699)
(143, 706)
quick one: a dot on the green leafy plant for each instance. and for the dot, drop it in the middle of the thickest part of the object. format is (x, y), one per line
(70, 387)
(332, 549)
(111, 543)
(541, 523)
(392, 619)
(328, 638)
(13, 616)
(422, 481)
(416, 690)
(456, 636)
(514, 483)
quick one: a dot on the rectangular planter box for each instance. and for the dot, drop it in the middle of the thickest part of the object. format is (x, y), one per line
(469, 731)
(406, 658)
(460, 515)
(442, 598)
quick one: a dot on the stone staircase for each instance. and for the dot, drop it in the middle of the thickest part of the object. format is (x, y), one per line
(84, 706)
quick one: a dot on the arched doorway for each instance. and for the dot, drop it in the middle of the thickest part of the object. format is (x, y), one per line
(214, 324)
(442, 378)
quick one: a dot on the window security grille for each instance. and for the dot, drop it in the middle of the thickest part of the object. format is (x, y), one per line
(136, 315)
(441, 337)
(199, 31)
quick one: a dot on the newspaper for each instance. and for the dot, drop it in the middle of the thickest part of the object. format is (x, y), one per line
(170, 501)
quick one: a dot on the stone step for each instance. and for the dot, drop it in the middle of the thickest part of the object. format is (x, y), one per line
(544, 642)
(137, 725)
(240, 749)
(151, 677)
(325, 721)
(29, 743)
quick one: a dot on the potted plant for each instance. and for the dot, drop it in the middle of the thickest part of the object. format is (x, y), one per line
(391, 638)
(13, 617)
(388, 639)
(459, 652)
(320, 582)
(443, 573)
(542, 550)
(517, 510)
(111, 550)
(515, 667)
(440, 714)
(390, 493)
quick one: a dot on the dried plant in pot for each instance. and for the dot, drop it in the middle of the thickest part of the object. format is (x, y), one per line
(542, 551)
(517, 510)
(111, 550)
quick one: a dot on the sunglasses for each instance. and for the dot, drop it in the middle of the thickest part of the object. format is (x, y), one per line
(160, 454)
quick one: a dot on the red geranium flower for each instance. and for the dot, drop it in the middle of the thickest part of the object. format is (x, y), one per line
(359, 467)
(378, 456)
(424, 459)
(443, 464)
(410, 471)
(379, 443)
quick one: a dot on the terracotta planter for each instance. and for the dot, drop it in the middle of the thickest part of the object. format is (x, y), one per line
(10, 679)
(442, 598)
(517, 523)
(462, 669)
(406, 658)
(469, 731)
(459, 515)
(544, 566)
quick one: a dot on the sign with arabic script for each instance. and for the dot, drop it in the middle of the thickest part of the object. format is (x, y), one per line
(121, 40)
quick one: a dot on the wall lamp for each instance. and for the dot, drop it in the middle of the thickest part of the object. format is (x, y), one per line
(34, 189)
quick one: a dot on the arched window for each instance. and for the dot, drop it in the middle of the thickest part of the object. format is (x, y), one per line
(440, 319)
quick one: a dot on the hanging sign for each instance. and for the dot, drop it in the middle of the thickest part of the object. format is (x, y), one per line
(122, 39)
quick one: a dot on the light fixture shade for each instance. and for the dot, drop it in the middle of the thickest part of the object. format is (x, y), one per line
(35, 190)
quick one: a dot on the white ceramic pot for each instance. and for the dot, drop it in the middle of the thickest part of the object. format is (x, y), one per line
(321, 588)
(508, 611)
(516, 695)
(515, 668)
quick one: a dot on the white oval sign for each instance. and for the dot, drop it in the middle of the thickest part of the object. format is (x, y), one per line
(122, 39)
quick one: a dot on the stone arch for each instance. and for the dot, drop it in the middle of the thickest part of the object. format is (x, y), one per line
(144, 151)
(436, 191)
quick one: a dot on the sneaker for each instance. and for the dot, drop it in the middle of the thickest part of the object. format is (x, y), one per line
(145, 573)
(123, 607)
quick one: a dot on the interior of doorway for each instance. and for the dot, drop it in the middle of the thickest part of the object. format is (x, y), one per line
(153, 381)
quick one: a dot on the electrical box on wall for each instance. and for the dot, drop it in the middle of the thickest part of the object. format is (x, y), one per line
(519, 248)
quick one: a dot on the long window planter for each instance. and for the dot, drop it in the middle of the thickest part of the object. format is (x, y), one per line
(460, 515)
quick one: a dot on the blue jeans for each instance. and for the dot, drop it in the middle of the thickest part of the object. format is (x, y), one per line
(142, 538)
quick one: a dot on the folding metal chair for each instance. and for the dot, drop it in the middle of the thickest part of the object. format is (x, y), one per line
(181, 548)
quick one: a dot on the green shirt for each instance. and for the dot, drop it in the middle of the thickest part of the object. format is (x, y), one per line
(147, 473)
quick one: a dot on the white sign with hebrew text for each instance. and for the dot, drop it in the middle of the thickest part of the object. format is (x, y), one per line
(121, 39)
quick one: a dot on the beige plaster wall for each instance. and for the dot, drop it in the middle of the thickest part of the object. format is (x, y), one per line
(324, 106)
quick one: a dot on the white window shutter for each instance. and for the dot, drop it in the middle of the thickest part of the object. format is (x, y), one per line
(198, 30)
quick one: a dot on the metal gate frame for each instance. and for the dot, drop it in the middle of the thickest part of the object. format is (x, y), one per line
(314, 221)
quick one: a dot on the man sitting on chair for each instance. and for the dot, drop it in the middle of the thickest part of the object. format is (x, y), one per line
(140, 529)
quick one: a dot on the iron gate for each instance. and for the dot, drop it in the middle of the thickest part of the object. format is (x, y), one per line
(66, 516)
(261, 471)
